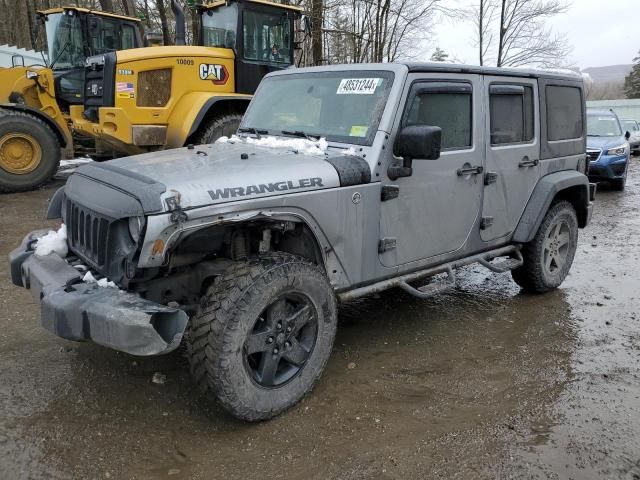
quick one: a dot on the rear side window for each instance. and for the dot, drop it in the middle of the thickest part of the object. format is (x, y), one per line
(447, 106)
(512, 117)
(564, 112)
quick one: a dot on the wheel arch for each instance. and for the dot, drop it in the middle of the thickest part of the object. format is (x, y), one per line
(16, 107)
(218, 106)
(569, 185)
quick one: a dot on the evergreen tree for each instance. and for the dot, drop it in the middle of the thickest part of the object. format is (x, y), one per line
(632, 82)
(439, 55)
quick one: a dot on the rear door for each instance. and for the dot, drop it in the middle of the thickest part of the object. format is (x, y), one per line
(512, 152)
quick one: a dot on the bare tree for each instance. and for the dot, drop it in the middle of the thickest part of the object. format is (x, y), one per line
(377, 30)
(129, 7)
(107, 5)
(524, 39)
(484, 16)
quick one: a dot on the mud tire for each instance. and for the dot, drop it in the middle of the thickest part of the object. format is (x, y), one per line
(227, 315)
(225, 125)
(12, 121)
(533, 276)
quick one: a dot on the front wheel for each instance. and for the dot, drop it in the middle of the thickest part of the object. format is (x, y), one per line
(29, 151)
(549, 256)
(619, 184)
(263, 334)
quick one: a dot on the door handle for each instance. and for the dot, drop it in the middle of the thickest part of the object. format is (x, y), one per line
(525, 162)
(467, 169)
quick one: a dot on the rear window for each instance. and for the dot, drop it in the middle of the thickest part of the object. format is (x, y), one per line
(564, 113)
(511, 111)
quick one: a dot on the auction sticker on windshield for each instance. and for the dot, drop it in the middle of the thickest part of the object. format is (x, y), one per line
(358, 86)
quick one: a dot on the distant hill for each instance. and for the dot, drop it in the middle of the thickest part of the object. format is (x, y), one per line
(610, 73)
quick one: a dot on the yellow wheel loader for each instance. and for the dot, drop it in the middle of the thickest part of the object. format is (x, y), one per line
(165, 97)
(35, 100)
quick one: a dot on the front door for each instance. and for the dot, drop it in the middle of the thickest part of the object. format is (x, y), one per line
(512, 153)
(438, 205)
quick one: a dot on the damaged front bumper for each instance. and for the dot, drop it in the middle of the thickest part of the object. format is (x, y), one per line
(81, 311)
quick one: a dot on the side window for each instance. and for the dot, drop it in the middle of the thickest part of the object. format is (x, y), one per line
(564, 112)
(128, 37)
(512, 114)
(266, 37)
(107, 38)
(448, 106)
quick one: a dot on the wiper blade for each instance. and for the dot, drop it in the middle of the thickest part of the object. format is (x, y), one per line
(301, 134)
(255, 131)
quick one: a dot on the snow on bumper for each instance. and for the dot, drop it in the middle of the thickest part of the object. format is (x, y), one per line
(81, 311)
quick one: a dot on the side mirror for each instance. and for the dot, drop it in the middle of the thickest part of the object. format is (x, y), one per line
(416, 142)
(627, 135)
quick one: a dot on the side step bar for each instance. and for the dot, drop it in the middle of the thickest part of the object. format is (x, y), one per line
(427, 291)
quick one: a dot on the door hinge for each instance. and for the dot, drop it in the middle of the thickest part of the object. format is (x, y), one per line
(386, 244)
(486, 222)
(490, 177)
(389, 192)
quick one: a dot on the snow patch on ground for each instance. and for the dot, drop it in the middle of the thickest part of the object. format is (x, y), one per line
(53, 242)
(300, 145)
(103, 282)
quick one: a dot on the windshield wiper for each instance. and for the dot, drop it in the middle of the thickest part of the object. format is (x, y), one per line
(301, 134)
(253, 130)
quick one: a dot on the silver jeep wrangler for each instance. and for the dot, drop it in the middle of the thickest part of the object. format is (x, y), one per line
(342, 181)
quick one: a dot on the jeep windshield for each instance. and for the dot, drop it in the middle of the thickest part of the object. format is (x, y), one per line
(343, 107)
(603, 126)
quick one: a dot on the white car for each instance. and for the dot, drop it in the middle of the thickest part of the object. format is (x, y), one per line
(633, 127)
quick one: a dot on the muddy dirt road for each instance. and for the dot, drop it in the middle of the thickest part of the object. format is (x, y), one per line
(483, 382)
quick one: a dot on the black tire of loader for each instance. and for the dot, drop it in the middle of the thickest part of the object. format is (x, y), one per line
(227, 312)
(531, 276)
(223, 126)
(16, 121)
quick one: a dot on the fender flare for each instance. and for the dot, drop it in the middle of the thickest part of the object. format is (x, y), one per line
(547, 188)
(37, 113)
(209, 104)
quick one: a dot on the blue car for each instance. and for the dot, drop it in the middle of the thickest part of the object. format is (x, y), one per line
(607, 148)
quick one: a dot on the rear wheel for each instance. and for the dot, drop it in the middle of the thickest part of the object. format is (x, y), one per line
(263, 334)
(549, 256)
(29, 151)
(212, 130)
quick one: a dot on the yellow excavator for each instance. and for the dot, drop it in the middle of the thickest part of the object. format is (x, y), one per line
(35, 100)
(154, 98)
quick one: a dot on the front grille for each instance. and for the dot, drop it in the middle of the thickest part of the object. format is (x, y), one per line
(593, 154)
(154, 88)
(88, 233)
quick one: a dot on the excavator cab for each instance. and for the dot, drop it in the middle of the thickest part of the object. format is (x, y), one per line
(72, 35)
(260, 33)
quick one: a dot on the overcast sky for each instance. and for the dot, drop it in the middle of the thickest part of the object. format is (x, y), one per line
(601, 32)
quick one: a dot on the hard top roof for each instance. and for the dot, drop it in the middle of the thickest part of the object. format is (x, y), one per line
(435, 67)
(87, 10)
(218, 3)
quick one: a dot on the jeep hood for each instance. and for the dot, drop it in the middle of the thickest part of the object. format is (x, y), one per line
(223, 172)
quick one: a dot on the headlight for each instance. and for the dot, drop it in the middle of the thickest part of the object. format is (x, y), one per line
(136, 224)
(621, 150)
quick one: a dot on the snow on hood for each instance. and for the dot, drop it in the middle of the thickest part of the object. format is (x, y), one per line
(300, 145)
(53, 242)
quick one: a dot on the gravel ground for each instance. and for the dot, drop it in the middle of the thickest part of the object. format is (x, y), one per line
(482, 382)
